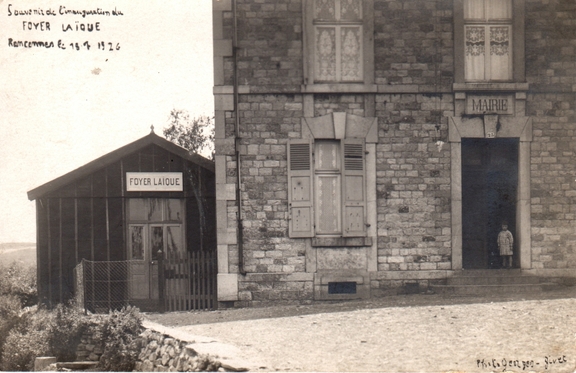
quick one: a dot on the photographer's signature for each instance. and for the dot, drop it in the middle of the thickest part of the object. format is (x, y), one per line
(547, 362)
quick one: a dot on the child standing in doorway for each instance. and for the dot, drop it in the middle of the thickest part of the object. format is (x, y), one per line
(505, 245)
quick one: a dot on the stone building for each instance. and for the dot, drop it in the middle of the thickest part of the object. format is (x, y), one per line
(369, 146)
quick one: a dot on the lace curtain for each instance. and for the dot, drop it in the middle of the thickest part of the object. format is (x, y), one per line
(488, 38)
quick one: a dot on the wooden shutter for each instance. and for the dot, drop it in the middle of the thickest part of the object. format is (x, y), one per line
(354, 188)
(300, 188)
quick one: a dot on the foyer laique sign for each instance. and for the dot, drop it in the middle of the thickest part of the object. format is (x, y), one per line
(489, 104)
(154, 182)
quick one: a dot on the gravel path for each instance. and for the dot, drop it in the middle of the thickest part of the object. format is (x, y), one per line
(531, 335)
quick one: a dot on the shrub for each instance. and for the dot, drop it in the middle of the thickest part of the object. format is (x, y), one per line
(19, 280)
(119, 331)
(65, 327)
(17, 289)
(41, 332)
(27, 340)
(10, 308)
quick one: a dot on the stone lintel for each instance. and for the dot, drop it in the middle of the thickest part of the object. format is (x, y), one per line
(228, 89)
(339, 242)
(339, 88)
(510, 87)
(412, 275)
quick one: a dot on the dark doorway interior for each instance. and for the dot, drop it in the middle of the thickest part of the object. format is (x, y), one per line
(489, 186)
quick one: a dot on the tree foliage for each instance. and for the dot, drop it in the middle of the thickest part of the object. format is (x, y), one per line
(194, 134)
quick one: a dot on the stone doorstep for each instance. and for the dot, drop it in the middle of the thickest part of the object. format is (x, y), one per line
(484, 290)
(77, 365)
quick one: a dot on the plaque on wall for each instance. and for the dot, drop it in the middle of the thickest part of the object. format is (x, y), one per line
(490, 104)
(154, 182)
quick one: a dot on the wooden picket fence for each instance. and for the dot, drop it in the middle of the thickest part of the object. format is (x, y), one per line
(189, 281)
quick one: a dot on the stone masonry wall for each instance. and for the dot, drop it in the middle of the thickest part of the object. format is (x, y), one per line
(159, 353)
(414, 68)
(413, 183)
(551, 72)
(413, 43)
(266, 124)
(270, 39)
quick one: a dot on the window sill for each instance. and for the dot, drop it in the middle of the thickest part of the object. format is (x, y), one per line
(339, 88)
(508, 87)
(341, 241)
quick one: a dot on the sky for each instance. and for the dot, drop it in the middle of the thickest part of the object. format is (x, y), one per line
(62, 108)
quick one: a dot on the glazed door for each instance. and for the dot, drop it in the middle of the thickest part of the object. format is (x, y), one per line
(155, 224)
(145, 242)
(138, 266)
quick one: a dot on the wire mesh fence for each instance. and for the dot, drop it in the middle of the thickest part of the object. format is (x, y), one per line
(102, 286)
(177, 282)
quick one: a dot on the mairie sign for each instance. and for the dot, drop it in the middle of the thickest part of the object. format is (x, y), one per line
(489, 104)
(154, 182)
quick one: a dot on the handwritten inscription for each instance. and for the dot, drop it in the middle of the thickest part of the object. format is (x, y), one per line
(548, 362)
(61, 44)
(51, 26)
(62, 10)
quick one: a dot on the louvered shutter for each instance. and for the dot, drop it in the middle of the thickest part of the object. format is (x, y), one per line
(300, 188)
(354, 188)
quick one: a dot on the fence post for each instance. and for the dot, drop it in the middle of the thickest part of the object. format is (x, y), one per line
(161, 282)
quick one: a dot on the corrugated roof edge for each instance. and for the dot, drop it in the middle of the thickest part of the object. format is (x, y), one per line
(116, 155)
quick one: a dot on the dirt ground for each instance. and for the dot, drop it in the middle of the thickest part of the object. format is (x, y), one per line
(413, 333)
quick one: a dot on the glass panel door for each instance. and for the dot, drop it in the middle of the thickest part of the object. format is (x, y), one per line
(138, 269)
(156, 245)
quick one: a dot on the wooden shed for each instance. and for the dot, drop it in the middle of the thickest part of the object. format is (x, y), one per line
(105, 229)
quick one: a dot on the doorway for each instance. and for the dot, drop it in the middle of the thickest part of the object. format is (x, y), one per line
(489, 198)
(154, 225)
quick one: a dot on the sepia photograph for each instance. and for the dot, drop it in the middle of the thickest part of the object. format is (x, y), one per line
(288, 185)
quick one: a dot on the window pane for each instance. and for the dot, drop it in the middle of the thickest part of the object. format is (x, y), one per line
(137, 242)
(325, 40)
(327, 155)
(498, 9)
(351, 52)
(350, 10)
(155, 209)
(137, 209)
(328, 204)
(474, 9)
(174, 239)
(156, 241)
(475, 52)
(500, 53)
(173, 210)
(325, 9)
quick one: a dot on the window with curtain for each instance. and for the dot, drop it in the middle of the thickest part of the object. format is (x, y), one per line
(327, 191)
(488, 40)
(338, 35)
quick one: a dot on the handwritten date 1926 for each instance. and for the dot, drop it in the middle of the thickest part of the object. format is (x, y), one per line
(86, 45)
(546, 363)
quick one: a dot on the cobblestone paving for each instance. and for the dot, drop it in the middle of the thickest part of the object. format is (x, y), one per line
(537, 335)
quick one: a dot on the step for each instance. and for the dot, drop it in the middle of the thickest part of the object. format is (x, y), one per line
(489, 272)
(493, 280)
(486, 290)
(77, 365)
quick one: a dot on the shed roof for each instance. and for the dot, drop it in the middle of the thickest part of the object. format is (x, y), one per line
(117, 155)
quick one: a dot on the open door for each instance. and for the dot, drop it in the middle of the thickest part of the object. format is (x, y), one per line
(489, 188)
